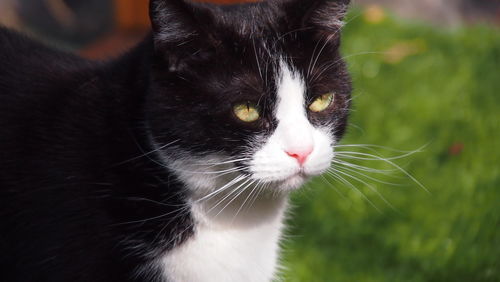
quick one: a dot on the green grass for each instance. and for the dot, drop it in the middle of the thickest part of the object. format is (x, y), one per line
(446, 94)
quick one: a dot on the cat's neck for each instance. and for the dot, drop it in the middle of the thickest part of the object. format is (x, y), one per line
(242, 210)
(234, 241)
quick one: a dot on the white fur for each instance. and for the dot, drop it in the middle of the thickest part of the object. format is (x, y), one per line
(237, 229)
(294, 133)
(233, 241)
(230, 248)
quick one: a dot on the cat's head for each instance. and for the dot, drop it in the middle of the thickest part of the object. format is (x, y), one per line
(253, 92)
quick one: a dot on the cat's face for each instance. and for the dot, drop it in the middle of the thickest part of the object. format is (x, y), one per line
(255, 91)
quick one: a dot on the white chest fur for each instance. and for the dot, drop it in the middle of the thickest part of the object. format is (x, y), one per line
(226, 247)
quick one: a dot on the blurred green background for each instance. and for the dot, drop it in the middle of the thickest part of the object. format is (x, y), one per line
(415, 85)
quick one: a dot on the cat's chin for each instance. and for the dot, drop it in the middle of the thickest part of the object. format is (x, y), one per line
(291, 183)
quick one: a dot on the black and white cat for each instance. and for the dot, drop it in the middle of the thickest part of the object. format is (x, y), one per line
(174, 161)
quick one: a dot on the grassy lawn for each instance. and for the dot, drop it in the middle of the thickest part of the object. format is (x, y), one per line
(415, 85)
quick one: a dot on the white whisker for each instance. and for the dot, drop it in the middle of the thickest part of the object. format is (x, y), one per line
(368, 177)
(343, 180)
(371, 146)
(146, 154)
(333, 186)
(386, 172)
(376, 157)
(332, 64)
(229, 194)
(224, 187)
(154, 217)
(242, 189)
(371, 187)
(246, 199)
(225, 171)
(399, 168)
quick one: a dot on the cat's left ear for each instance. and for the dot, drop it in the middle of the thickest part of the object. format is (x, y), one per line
(324, 16)
(178, 32)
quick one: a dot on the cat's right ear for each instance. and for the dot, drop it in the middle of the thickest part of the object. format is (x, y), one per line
(176, 31)
(326, 17)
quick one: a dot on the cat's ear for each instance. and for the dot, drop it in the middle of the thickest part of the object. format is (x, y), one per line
(324, 16)
(177, 31)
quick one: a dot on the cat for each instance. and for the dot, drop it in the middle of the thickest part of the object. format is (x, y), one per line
(174, 161)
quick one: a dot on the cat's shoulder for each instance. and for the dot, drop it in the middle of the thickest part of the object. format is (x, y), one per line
(11, 41)
(42, 81)
(19, 52)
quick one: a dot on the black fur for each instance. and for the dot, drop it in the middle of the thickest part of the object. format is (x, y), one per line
(84, 195)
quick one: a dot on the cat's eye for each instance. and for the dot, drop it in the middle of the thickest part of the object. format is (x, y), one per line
(246, 112)
(321, 103)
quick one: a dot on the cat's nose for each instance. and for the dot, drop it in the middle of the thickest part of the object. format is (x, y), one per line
(300, 155)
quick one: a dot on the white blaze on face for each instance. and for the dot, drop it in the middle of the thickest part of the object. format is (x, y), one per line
(296, 149)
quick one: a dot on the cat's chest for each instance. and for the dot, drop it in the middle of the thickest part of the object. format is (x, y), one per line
(233, 252)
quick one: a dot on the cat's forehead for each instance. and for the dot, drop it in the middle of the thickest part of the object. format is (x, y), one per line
(245, 18)
(256, 63)
(272, 29)
(303, 49)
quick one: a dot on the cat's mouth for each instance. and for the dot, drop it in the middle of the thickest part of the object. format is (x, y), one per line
(292, 180)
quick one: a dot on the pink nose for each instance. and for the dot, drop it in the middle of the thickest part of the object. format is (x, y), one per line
(300, 155)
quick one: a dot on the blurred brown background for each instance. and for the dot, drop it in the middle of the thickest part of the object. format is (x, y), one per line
(104, 28)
